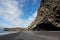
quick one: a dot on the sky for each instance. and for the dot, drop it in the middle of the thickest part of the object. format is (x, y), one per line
(18, 13)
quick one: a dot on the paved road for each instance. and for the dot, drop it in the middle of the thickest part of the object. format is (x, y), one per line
(25, 35)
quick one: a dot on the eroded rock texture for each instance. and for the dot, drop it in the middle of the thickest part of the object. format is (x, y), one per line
(48, 16)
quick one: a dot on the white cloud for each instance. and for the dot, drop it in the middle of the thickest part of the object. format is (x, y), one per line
(25, 23)
(10, 12)
(31, 18)
(9, 9)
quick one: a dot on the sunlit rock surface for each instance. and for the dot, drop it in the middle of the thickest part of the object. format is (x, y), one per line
(15, 29)
(48, 16)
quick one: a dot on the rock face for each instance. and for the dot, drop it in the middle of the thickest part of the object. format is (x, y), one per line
(48, 16)
(15, 29)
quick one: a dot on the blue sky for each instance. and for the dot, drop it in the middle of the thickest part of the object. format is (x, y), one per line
(18, 13)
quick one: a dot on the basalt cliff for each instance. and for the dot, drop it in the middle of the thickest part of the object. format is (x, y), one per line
(48, 17)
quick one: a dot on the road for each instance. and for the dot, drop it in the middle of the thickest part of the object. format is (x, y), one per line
(25, 35)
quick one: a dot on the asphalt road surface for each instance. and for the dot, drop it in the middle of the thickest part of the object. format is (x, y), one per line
(28, 35)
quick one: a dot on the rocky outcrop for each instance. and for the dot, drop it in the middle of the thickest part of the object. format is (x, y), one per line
(15, 29)
(48, 16)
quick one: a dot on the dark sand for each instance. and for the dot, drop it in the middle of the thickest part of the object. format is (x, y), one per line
(8, 36)
(25, 35)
